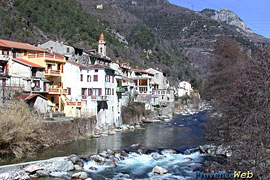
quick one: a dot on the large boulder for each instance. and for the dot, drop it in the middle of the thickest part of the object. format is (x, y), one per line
(63, 165)
(58, 174)
(42, 173)
(80, 175)
(98, 158)
(159, 170)
(77, 168)
(74, 159)
(32, 168)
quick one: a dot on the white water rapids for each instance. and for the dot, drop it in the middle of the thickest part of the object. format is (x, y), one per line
(139, 166)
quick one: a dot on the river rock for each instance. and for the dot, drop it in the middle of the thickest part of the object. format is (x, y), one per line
(137, 126)
(124, 154)
(159, 170)
(77, 168)
(42, 173)
(63, 165)
(223, 151)
(124, 127)
(74, 158)
(93, 168)
(80, 175)
(98, 158)
(58, 174)
(104, 154)
(111, 132)
(188, 159)
(111, 152)
(208, 149)
(168, 151)
(4, 175)
(157, 156)
(32, 168)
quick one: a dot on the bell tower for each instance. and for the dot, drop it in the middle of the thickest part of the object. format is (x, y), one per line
(102, 45)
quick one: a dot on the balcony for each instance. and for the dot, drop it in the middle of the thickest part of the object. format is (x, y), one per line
(57, 91)
(120, 90)
(74, 104)
(99, 98)
(50, 72)
(46, 56)
(3, 57)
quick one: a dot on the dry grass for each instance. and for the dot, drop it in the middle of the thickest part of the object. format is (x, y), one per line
(18, 129)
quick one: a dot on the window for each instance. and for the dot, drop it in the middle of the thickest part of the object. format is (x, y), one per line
(84, 91)
(99, 91)
(88, 78)
(81, 77)
(109, 78)
(96, 70)
(106, 91)
(68, 50)
(112, 79)
(90, 92)
(112, 91)
(95, 78)
(109, 91)
(69, 91)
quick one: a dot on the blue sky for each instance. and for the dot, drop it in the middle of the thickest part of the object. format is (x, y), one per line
(255, 13)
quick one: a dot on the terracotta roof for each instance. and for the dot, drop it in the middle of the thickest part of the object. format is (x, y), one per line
(101, 37)
(27, 63)
(3, 45)
(27, 96)
(19, 45)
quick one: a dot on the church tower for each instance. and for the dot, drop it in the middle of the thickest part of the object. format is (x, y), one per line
(102, 45)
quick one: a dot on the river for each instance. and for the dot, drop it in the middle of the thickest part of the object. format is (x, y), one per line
(182, 133)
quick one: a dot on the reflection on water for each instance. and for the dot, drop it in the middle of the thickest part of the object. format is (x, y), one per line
(182, 131)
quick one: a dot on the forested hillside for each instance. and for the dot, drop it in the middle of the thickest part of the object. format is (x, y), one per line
(156, 33)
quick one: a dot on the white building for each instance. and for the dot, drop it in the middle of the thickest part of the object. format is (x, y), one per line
(159, 81)
(95, 86)
(184, 88)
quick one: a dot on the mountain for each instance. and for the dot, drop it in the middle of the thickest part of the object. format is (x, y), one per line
(142, 32)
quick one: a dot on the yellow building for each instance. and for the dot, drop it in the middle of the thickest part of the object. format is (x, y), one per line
(54, 73)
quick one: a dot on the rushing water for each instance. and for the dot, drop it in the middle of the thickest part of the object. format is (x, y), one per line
(181, 134)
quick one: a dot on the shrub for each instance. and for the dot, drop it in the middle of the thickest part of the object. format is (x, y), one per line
(18, 129)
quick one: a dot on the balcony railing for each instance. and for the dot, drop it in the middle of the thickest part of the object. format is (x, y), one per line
(50, 72)
(3, 57)
(50, 56)
(120, 90)
(57, 91)
(74, 104)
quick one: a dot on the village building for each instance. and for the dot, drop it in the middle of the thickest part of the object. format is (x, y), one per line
(37, 70)
(18, 74)
(184, 88)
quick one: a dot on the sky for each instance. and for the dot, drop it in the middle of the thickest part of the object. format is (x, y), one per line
(255, 13)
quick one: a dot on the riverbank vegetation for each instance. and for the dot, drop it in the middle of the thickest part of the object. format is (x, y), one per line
(19, 129)
(239, 86)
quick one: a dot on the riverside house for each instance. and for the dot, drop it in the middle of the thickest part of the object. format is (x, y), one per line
(18, 74)
(35, 70)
